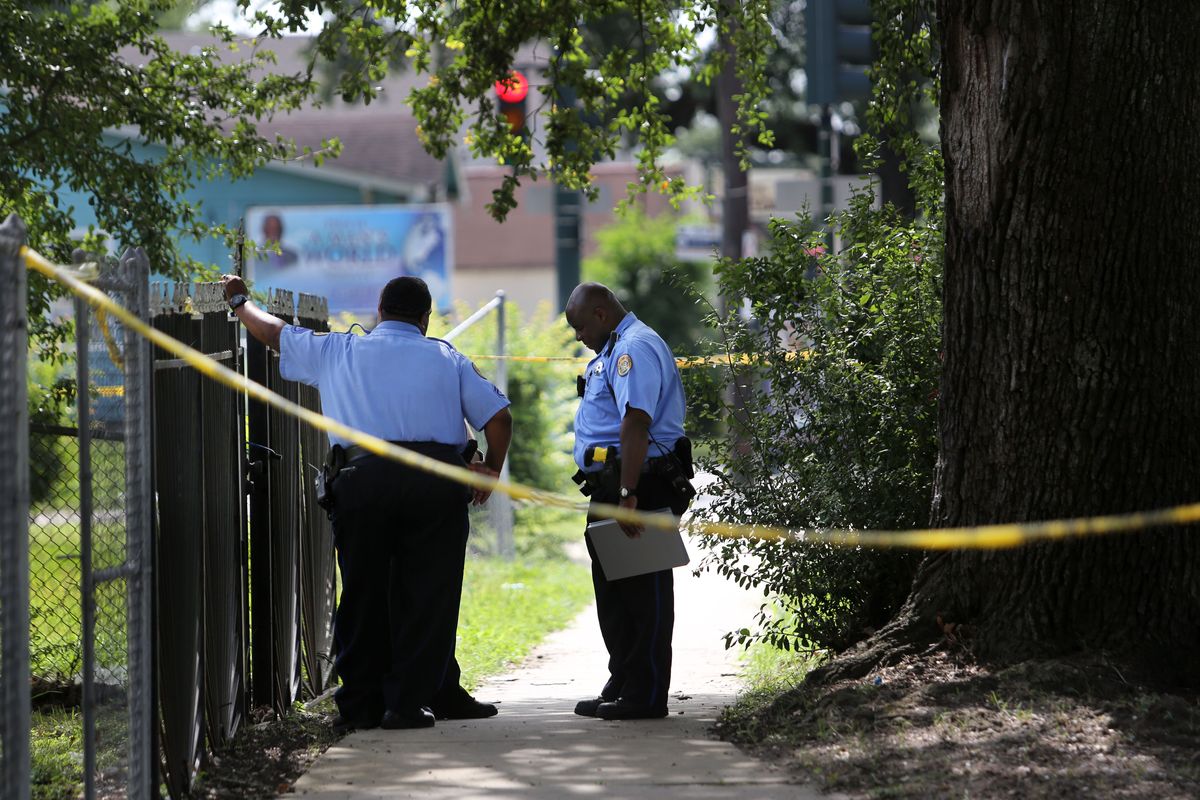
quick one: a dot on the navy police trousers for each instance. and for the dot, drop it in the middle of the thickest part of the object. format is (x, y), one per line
(401, 539)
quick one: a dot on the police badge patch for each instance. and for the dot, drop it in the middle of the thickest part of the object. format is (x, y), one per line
(624, 364)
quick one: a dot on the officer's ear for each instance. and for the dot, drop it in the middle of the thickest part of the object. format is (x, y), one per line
(424, 323)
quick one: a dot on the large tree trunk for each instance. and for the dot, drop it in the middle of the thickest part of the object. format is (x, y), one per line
(1072, 332)
(1071, 381)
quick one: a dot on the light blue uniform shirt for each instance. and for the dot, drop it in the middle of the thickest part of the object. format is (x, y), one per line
(394, 383)
(637, 371)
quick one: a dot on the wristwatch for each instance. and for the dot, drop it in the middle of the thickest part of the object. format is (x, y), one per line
(627, 493)
(237, 301)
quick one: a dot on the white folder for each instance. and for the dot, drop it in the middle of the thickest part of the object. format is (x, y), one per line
(622, 557)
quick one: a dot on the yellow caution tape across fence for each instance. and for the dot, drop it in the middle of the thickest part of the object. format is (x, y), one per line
(983, 537)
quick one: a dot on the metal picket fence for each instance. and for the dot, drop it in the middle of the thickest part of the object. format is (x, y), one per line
(246, 600)
(201, 574)
(318, 566)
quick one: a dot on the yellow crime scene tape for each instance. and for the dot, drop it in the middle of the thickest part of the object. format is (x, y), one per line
(983, 537)
(114, 352)
(682, 362)
(691, 361)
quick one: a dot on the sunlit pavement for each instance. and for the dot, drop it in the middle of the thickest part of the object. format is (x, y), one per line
(537, 748)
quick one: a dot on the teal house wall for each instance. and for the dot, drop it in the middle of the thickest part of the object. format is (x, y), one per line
(224, 201)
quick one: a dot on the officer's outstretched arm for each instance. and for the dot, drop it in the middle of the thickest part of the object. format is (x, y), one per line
(261, 325)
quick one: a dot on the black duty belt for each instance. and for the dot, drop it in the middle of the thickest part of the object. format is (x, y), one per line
(649, 466)
(355, 452)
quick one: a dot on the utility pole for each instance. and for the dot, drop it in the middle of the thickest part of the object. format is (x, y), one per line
(568, 208)
(566, 241)
(735, 203)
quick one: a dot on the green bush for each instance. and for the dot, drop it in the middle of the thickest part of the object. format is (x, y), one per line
(835, 425)
(50, 397)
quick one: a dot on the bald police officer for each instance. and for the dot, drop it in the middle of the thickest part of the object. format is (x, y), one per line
(400, 532)
(632, 404)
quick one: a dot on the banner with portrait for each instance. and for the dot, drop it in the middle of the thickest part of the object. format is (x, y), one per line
(347, 253)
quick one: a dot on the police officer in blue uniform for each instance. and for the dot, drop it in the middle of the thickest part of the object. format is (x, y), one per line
(400, 532)
(631, 412)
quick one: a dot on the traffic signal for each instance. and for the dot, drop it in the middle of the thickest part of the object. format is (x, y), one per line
(837, 36)
(511, 92)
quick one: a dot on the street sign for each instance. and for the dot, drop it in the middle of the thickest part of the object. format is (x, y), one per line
(697, 242)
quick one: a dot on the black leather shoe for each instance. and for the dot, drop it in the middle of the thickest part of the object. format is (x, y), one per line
(343, 725)
(587, 708)
(623, 709)
(412, 717)
(462, 706)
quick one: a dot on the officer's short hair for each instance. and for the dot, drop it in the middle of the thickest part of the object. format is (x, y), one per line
(406, 296)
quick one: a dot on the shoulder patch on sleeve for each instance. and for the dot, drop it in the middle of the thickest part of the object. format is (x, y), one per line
(624, 364)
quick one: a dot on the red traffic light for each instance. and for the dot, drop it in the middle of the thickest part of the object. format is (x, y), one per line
(513, 88)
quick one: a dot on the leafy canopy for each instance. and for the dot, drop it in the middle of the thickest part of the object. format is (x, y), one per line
(85, 85)
(600, 93)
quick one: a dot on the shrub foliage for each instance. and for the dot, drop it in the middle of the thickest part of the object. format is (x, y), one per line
(834, 424)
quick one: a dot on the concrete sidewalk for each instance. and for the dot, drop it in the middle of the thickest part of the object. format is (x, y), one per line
(537, 748)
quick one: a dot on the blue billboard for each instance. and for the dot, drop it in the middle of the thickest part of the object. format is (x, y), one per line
(347, 253)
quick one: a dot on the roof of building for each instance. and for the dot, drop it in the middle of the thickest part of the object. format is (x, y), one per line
(378, 140)
(380, 143)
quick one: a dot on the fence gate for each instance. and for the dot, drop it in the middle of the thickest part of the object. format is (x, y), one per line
(318, 594)
(115, 538)
(90, 547)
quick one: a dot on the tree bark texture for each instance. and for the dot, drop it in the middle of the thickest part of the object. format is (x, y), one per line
(1071, 382)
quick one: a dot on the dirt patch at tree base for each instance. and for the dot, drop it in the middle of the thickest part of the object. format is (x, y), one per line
(940, 726)
(267, 757)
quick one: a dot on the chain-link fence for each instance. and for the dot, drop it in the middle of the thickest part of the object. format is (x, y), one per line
(88, 643)
(14, 502)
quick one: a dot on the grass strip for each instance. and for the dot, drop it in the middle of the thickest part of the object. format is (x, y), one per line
(510, 606)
